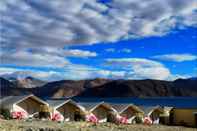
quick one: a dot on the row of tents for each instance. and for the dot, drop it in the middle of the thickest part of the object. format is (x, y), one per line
(70, 110)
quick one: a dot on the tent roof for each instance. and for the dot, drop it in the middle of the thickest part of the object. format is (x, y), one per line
(90, 106)
(56, 103)
(10, 100)
(148, 109)
(122, 107)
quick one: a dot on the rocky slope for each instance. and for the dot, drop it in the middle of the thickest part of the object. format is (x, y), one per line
(9, 88)
(28, 82)
(106, 88)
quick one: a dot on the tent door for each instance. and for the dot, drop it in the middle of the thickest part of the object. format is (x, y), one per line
(195, 120)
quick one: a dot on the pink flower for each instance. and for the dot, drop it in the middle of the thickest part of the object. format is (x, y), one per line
(91, 118)
(122, 120)
(57, 117)
(148, 121)
(19, 114)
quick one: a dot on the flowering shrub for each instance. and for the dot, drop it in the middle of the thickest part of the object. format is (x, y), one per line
(57, 117)
(5, 114)
(91, 118)
(19, 115)
(147, 121)
(122, 120)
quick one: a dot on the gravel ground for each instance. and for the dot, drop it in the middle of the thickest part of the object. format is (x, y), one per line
(14, 125)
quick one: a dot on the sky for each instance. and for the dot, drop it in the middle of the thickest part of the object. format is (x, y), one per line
(87, 39)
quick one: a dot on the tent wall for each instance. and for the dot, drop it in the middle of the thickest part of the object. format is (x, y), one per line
(130, 114)
(101, 113)
(69, 111)
(30, 105)
(183, 117)
(165, 117)
(17, 108)
(155, 115)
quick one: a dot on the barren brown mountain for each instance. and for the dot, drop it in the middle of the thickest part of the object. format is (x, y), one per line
(105, 88)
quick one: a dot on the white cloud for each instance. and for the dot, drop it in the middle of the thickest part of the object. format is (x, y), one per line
(176, 57)
(19, 73)
(178, 76)
(110, 50)
(46, 27)
(47, 57)
(87, 22)
(49, 75)
(79, 53)
(160, 73)
(139, 68)
(133, 62)
(80, 72)
(26, 58)
(70, 72)
(6, 70)
(124, 50)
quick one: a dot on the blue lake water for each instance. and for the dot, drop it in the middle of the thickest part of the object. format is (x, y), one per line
(183, 102)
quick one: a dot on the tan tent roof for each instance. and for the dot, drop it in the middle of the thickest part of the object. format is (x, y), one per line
(122, 107)
(149, 109)
(56, 103)
(10, 100)
(90, 106)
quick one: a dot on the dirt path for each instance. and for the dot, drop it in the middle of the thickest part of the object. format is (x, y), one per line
(13, 125)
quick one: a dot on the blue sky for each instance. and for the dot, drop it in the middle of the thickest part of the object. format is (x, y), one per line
(81, 39)
(179, 42)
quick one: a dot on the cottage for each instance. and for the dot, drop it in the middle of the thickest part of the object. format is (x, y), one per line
(130, 111)
(153, 112)
(28, 104)
(183, 116)
(67, 109)
(101, 110)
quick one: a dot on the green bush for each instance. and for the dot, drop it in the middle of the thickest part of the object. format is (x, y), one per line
(44, 115)
(5, 113)
(138, 120)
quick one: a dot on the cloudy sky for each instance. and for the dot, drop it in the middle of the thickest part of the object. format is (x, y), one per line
(83, 39)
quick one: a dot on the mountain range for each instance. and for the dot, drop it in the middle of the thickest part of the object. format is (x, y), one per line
(99, 87)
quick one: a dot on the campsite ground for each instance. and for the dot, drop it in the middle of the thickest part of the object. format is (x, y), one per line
(13, 125)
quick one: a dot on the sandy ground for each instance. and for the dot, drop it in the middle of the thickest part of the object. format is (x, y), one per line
(14, 125)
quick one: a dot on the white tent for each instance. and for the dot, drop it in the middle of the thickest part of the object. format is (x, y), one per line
(29, 104)
(66, 108)
(100, 109)
(129, 111)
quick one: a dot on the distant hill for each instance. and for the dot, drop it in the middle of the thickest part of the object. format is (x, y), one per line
(61, 88)
(28, 82)
(127, 88)
(21, 80)
(103, 88)
(9, 88)
(69, 88)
